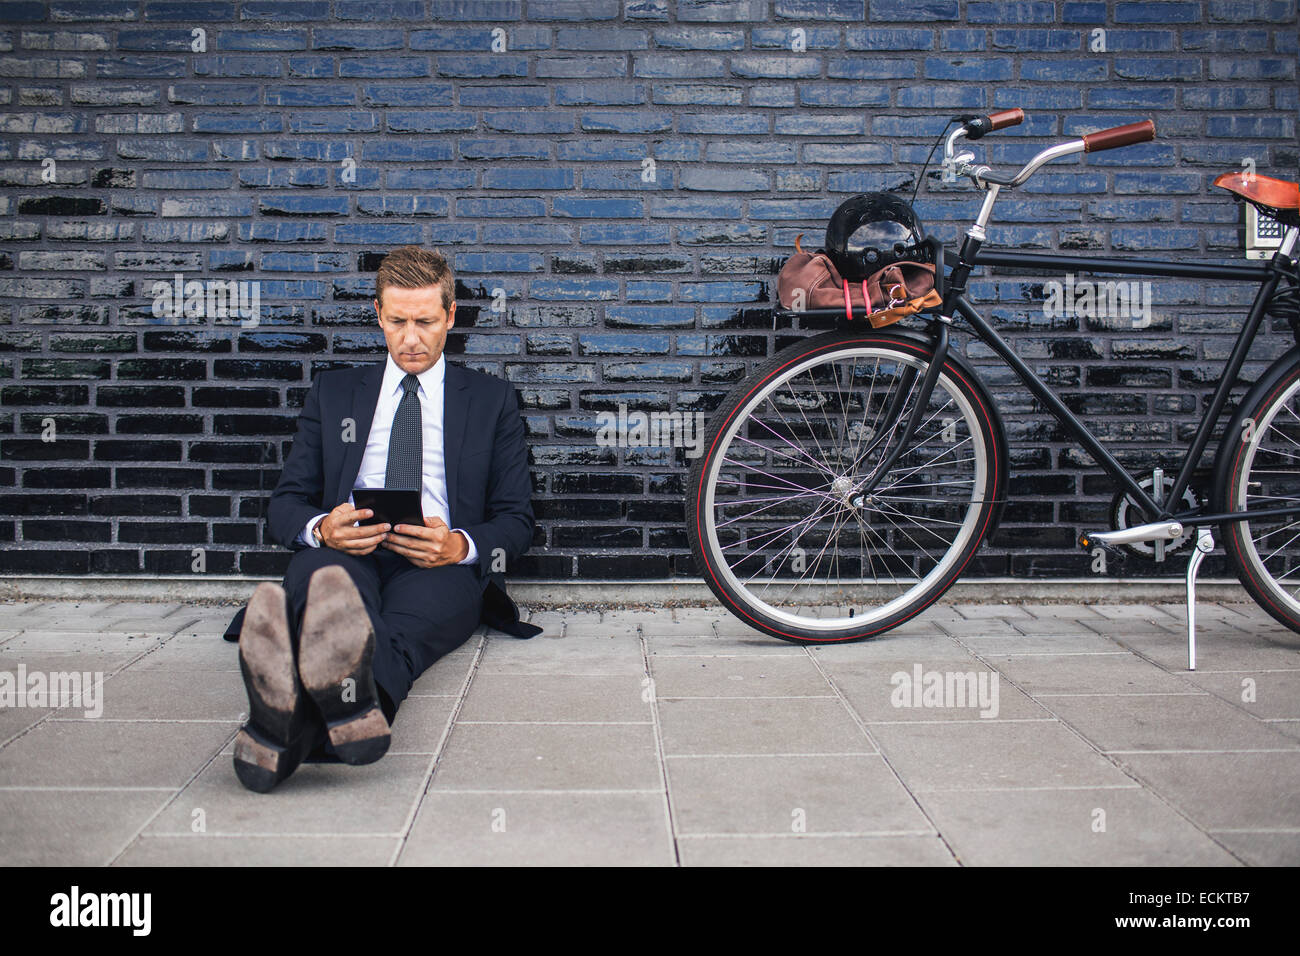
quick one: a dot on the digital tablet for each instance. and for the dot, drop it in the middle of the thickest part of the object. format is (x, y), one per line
(394, 506)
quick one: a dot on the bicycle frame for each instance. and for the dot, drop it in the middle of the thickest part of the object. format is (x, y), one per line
(1268, 276)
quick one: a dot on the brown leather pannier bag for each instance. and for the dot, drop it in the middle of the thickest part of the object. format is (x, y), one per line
(810, 281)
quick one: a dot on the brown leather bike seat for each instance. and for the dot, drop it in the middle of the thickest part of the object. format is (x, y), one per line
(1277, 197)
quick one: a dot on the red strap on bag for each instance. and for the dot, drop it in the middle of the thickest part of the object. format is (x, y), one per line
(848, 301)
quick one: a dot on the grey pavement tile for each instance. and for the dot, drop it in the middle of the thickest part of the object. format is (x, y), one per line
(72, 827)
(705, 644)
(14, 720)
(1242, 615)
(1063, 612)
(808, 850)
(745, 676)
(993, 755)
(79, 642)
(891, 645)
(981, 612)
(574, 619)
(420, 724)
(630, 618)
(1225, 790)
(23, 663)
(854, 794)
(191, 653)
(1217, 649)
(877, 691)
(135, 620)
(557, 697)
(540, 829)
(1060, 828)
(983, 627)
(1165, 722)
(1137, 618)
(107, 753)
(175, 694)
(1289, 727)
(580, 653)
(5, 635)
(205, 849)
(39, 613)
(1273, 694)
(1119, 673)
(200, 621)
(549, 757)
(446, 678)
(756, 725)
(319, 799)
(1025, 644)
(547, 619)
(1263, 848)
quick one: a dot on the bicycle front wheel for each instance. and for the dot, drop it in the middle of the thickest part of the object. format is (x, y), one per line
(1264, 472)
(784, 524)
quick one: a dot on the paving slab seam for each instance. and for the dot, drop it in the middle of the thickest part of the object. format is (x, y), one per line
(750, 697)
(587, 791)
(1109, 757)
(866, 731)
(548, 723)
(27, 730)
(966, 720)
(1232, 750)
(764, 754)
(427, 779)
(1064, 786)
(235, 834)
(176, 796)
(1136, 693)
(661, 762)
(21, 787)
(824, 835)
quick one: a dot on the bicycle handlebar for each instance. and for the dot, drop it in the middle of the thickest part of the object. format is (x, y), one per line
(982, 176)
(1117, 136)
(979, 125)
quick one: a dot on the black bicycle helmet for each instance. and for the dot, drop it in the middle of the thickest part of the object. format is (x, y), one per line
(871, 231)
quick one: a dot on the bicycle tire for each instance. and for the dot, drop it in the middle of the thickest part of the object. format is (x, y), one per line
(1261, 455)
(739, 418)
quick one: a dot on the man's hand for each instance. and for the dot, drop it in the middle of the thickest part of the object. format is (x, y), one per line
(429, 547)
(337, 531)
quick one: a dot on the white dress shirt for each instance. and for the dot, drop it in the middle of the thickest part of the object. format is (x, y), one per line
(433, 470)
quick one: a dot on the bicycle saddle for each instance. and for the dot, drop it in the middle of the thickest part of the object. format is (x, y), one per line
(1276, 198)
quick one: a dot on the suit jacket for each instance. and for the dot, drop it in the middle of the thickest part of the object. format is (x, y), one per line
(489, 491)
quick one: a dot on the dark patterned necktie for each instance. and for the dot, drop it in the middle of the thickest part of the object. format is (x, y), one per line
(405, 441)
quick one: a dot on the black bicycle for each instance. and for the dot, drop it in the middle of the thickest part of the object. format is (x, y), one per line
(848, 482)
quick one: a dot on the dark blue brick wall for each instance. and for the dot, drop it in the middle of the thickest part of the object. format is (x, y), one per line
(622, 179)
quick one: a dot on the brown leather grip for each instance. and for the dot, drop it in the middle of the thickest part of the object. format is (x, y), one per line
(1119, 136)
(1006, 118)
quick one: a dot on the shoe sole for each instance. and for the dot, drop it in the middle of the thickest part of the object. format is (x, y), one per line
(266, 661)
(338, 645)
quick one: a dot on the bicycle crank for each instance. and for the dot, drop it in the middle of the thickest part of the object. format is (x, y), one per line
(1156, 531)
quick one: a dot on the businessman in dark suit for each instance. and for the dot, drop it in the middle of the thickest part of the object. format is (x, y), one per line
(366, 607)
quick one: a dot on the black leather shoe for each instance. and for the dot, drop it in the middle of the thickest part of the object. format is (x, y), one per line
(335, 653)
(281, 725)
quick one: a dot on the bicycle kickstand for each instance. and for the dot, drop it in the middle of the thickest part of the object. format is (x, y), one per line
(1204, 545)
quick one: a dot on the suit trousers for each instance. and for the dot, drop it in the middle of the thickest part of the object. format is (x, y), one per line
(418, 614)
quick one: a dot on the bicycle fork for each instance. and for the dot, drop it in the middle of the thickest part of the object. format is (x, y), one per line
(937, 358)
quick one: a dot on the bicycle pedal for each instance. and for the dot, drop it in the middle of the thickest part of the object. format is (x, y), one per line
(1087, 542)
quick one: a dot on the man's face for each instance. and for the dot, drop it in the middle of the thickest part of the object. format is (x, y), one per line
(415, 326)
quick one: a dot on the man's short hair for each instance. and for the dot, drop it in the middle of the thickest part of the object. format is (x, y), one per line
(412, 267)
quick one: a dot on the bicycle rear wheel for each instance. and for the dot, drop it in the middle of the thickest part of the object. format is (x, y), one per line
(781, 526)
(1263, 471)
